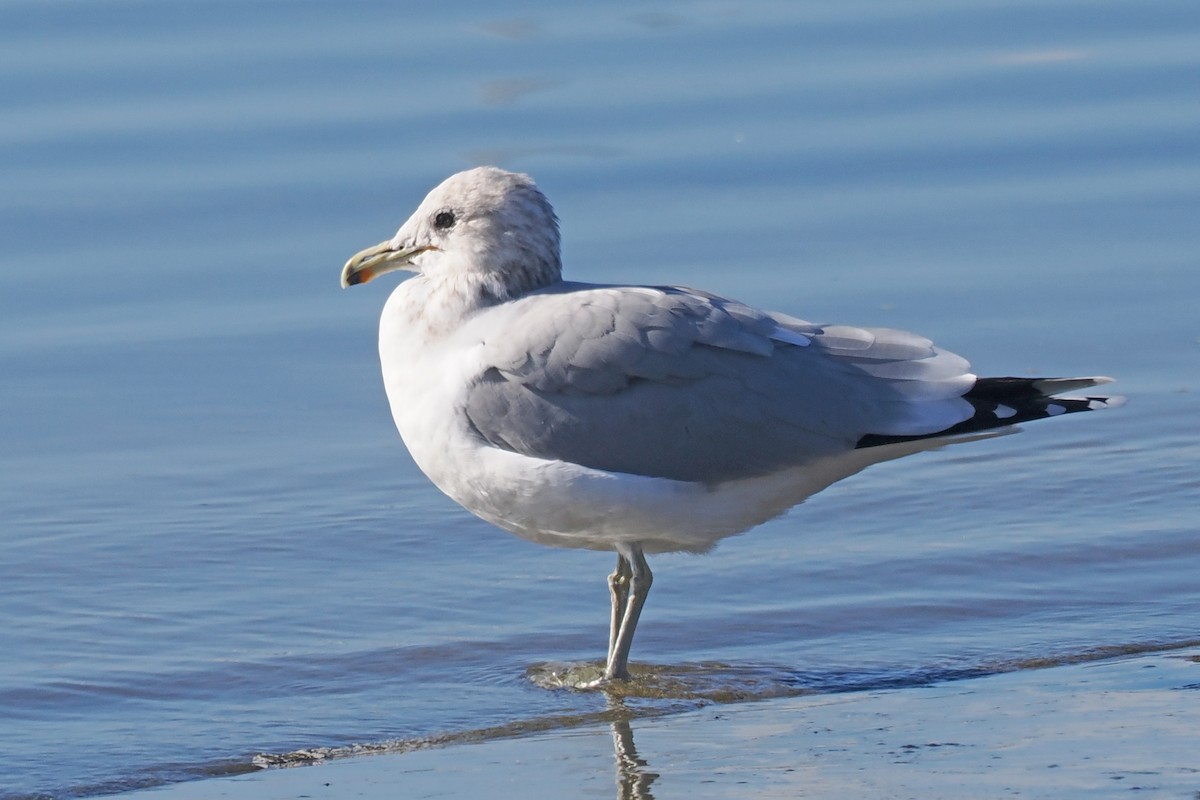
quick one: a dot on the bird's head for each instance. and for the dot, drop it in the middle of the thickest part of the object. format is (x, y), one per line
(483, 227)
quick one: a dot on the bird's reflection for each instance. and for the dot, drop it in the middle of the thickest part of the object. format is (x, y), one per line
(634, 777)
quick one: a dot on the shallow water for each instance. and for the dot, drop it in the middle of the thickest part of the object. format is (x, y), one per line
(214, 544)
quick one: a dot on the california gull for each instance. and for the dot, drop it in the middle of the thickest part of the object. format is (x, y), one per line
(642, 419)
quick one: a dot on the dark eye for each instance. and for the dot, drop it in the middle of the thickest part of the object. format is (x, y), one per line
(444, 220)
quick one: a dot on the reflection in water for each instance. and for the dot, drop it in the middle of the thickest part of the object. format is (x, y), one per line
(633, 777)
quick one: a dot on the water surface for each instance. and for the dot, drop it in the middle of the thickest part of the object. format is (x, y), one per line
(213, 543)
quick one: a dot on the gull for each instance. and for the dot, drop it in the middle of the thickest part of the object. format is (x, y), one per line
(642, 419)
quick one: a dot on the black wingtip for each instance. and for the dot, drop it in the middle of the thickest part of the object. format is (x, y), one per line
(1002, 402)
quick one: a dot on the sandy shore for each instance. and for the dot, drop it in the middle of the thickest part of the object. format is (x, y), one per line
(1123, 727)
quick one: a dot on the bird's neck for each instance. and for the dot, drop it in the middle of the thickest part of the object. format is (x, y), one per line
(432, 307)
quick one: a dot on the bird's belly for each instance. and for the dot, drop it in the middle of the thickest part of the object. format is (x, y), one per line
(567, 505)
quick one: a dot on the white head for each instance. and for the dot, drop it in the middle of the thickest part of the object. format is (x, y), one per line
(484, 230)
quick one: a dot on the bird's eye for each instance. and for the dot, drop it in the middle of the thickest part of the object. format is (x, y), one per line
(444, 220)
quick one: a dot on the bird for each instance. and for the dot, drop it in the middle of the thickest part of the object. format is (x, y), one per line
(642, 419)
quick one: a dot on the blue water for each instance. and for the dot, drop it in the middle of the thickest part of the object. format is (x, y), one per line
(212, 543)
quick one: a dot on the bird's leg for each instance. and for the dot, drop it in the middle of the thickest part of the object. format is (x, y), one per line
(618, 588)
(640, 579)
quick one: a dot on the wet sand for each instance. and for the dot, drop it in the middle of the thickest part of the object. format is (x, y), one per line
(1121, 727)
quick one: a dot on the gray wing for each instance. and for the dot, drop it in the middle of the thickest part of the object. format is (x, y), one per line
(675, 383)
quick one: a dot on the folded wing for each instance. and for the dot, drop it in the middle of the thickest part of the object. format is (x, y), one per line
(674, 383)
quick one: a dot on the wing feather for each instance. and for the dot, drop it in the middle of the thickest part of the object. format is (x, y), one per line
(674, 383)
